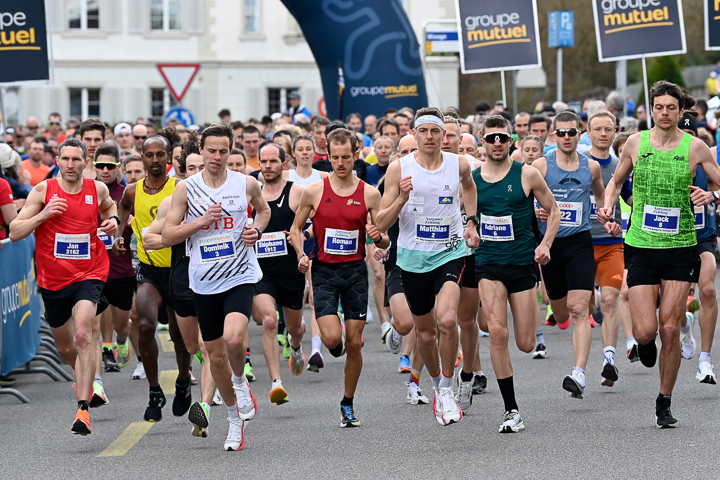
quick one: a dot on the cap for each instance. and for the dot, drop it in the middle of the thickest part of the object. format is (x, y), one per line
(7, 159)
(688, 122)
(500, 102)
(48, 149)
(294, 95)
(583, 116)
(122, 128)
(713, 74)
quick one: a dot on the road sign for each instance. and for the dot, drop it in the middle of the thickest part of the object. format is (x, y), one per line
(442, 43)
(178, 77)
(181, 115)
(560, 29)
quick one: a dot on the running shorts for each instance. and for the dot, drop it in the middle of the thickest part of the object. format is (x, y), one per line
(59, 304)
(707, 245)
(515, 278)
(393, 283)
(288, 291)
(346, 282)
(609, 265)
(648, 266)
(571, 265)
(422, 288)
(468, 276)
(158, 277)
(119, 292)
(212, 309)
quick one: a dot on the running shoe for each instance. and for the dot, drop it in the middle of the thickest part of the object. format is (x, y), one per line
(512, 422)
(217, 398)
(278, 394)
(316, 362)
(182, 401)
(246, 403)
(550, 319)
(123, 354)
(450, 410)
(153, 412)
(648, 354)
(483, 333)
(370, 318)
(404, 366)
(705, 374)
(347, 417)
(297, 361)
(459, 359)
(575, 384)
(693, 304)
(139, 372)
(99, 398)
(193, 380)
(163, 327)
(394, 341)
(593, 323)
(414, 394)
(199, 416)
(384, 329)
(108, 358)
(438, 406)
(563, 325)
(609, 373)
(632, 353)
(663, 417)
(687, 340)
(479, 384)
(282, 339)
(597, 315)
(81, 425)
(235, 439)
(286, 350)
(199, 357)
(464, 395)
(249, 374)
(540, 351)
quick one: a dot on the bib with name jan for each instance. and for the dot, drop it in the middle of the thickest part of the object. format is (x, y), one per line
(216, 248)
(341, 242)
(272, 244)
(496, 229)
(570, 214)
(106, 239)
(72, 247)
(661, 219)
(699, 217)
(432, 229)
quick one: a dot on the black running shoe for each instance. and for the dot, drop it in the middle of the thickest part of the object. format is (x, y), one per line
(479, 384)
(648, 354)
(609, 375)
(347, 417)
(663, 417)
(183, 399)
(633, 354)
(108, 358)
(597, 315)
(153, 412)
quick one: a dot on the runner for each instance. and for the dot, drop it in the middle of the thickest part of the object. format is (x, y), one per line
(531, 148)
(281, 283)
(421, 190)
(505, 260)
(210, 211)
(153, 278)
(92, 134)
(661, 245)
(569, 276)
(340, 206)
(72, 263)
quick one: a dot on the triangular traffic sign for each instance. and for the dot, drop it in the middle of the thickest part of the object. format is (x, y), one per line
(178, 77)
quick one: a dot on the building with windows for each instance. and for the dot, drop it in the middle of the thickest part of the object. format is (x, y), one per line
(252, 55)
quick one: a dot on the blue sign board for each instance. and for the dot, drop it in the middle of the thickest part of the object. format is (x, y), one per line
(180, 114)
(561, 29)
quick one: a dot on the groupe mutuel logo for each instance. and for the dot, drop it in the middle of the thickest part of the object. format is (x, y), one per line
(634, 13)
(12, 34)
(496, 29)
(386, 91)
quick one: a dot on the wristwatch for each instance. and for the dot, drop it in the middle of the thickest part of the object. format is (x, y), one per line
(715, 195)
(474, 219)
(117, 219)
(306, 234)
(259, 233)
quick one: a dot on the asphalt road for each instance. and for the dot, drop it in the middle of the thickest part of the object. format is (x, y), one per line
(609, 434)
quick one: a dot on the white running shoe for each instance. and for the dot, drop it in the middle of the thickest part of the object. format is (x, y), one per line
(705, 374)
(464, 394)
(217, 398)
(370, 317)
(512, 422)
(296, 362)
(235, 439)
(384, 329)
(139, 372)
(246, 403)
(451, 410)
(687, 340)
(438, 406)
(415, 396)
(575, 384)
(394, 341)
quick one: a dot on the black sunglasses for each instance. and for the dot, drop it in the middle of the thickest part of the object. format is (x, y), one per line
(561, 132)
(497, 136)
(54, 124)
(103, 166)
(137, 137)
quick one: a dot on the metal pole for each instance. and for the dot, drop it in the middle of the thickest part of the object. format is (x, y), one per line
(647, 94)
(3, 122)
(621, 81)
(502, 83)
(559, 74)
(515, 89)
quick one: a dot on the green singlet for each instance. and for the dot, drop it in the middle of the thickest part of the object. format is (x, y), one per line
(662, 215)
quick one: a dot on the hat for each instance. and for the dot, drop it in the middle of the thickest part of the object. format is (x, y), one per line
(48, 149)
(294, 95)
(713, 74)
(7, 159)
(583, 116)
(122, 128)
(688, 122)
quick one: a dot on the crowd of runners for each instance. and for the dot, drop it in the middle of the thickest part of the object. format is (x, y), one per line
(204, 229)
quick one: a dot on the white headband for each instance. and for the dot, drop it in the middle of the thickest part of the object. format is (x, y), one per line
(430, 119)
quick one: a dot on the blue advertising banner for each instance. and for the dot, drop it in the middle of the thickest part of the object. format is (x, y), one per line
(712, 25)
(23, 41)
(20, 305)
(374, 46)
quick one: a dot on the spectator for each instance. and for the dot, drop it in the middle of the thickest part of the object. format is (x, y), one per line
(123, 135)
(10, 165)
(224, 115)
(296, 105)
(140, 133)
(370, 125)
(32, 126)
(711, 84)
(55, 127)
(615, 104)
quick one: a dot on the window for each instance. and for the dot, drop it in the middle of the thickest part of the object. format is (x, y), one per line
(165, 15)
(251, 16)
(83, 14)
(84, 102)
(161, 101)
(278, 100)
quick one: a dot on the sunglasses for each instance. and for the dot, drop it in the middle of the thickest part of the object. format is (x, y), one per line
(561, 132)
(54, 124)
(497, 136)
(137, 137)
(32, 128)
(103, 166)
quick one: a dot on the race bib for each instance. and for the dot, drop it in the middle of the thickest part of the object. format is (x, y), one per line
(496, 229)
(699, 217)
(571, 214)
(107, 240)
(661, 219)
(432, 229)
(217, 248)
(72, 247)
(625, 219)
(272, 244)
(341, 242)
(594, 209)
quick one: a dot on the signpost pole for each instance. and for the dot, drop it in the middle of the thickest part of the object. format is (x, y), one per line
(515, 89)
(647, 93)
(3, 122)
(621, 80)
(559, 74)
(502, 84)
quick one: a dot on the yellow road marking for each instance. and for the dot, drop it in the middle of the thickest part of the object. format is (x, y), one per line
(132, 434)
(167, 381)
(165, 343)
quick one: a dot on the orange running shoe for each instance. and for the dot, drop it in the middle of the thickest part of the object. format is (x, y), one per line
(81, 425)
(459, 359)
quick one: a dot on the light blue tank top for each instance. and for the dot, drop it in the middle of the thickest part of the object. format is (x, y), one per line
(572, 193)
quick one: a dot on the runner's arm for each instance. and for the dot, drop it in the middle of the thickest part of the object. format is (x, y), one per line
(295, 195)
(392, 201)
(372, 200)
(152, 239)
(174, 231)
(622, 172)
(597, 186)
(546, 200)
(259, 204)
(307, 200)
(33, 214)
(703, 154)
(126, 203)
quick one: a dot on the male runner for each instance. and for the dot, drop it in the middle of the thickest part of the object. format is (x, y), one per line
(153, 277)
(72, 262)
(421, 190)
(92, 134)
(661, 244)
(339, 206)
(210, 210)
(522, 124)
(281, 283)
(569, 276)
(251, 140)
(505, 261)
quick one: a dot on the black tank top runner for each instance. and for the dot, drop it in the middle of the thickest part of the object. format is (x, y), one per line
(272, 262)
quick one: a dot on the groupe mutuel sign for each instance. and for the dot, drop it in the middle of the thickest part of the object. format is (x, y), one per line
(23, 41)
(12, 34)
(641, 14)
(495, 29)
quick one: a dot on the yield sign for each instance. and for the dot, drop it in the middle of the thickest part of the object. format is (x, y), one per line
(178, 77)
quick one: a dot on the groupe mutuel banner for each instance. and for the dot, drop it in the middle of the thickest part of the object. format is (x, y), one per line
(23, 41)
(498, 35)
(638, 28)
(712, 24)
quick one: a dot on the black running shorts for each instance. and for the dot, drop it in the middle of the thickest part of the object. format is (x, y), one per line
(59, 304)
(119, 292)
(212, 309)
(288, 291)
(468, 276)
(393, 283)
(648, 266)
(707, 245)
(422, 288)
(158, 277)
(571, 266)
(346, 282)
(515, 278)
